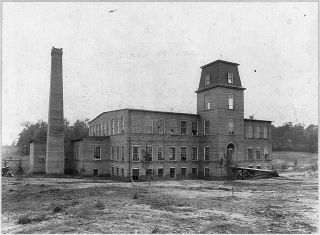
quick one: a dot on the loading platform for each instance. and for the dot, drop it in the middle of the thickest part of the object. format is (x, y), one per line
(250, 173)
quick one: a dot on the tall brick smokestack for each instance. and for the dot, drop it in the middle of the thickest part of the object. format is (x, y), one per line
(55, 135)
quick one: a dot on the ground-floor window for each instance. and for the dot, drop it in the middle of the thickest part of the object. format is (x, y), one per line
(194, 171)
(135, 174)
(183, 172)
(172, 173)
(258, 153)
(122, 173)
(95, 172)
(117, 169)
(206, 171)
(250, 153)
(258, 167)
(266, 153)
(250, 166)
(112, 171)
(160, 172)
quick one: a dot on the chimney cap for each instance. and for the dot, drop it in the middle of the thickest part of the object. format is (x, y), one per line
(56, 50)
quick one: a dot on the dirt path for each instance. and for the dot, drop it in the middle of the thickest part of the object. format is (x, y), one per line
(49, 205)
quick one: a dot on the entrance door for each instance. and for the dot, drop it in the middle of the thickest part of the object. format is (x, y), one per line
(135, 174)
(230, 154)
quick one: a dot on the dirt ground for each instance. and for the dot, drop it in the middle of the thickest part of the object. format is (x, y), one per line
(287, 204)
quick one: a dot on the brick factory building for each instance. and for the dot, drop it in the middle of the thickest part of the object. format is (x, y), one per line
(181, 145)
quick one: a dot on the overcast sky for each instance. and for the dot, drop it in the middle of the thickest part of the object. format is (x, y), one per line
(148, 55)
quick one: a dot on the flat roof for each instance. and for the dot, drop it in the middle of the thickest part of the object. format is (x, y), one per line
(219, 61)
(248, 119)
(143, 110)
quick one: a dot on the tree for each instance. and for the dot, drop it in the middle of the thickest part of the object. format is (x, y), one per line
(146, 160)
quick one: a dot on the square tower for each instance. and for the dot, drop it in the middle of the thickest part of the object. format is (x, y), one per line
(220, 105)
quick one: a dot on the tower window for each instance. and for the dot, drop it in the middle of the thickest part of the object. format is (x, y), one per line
(230, 101)
(231, 126)
(206, 102)
(207, 80)
(207, 127)
(230, 78)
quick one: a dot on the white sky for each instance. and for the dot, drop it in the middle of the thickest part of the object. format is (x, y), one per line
(148, 55)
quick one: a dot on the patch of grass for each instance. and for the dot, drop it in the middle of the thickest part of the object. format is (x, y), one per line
(100, 205)
(26, 219)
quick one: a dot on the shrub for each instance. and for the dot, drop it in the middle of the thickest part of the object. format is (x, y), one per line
(57, 208)
(135, 195)
(24, 220)
(155, 230)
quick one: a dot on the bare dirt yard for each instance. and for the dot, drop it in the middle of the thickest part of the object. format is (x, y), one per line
(287, 204)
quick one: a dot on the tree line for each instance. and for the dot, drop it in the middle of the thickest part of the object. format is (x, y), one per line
(287, 137)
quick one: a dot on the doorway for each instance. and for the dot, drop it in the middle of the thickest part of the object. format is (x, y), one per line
(231, 148)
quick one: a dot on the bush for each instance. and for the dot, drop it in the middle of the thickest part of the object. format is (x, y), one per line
(155, 230)
(57, 208)
(100, 205)
(24, 220)
(135, 195)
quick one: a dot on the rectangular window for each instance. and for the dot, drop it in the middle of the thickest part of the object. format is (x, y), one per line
(257, 132)
(136, 125)
(118, 126)
(172, 153)
(149, 125)
(149, 153)
(194, 171)
(95, 172)
(207, 104)
(117, 170)
(113, 153)
(135, 153)
(109, 128)
(183, 127)
(231, 126)
(194, 128)
(207, 127)
(173, 126)
(230, 78)
(183, 172)
(258, 167)
(97, 152)
(230, 101)
(206, 154)
(258, 153)
(122, 153)
(122, 124)
(194, 153)
(172, 173)
(112, 171)
(106, 128)
(122, 173)
(135, 174)
(161, 126)
(206, 171)
(207, 80)
(160, 172)
(265, 132)
(160, 154)
(250, 166)
(249, 131)
(118, 153)
(250, 153)
(183, 153)
(266, 153)
(112, 127)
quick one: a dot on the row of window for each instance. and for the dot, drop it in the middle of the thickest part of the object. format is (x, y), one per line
(260, 153)
(117, 153)
(136, 153)
(207, 79)
(107, 128)
(257, 131)
(207, 103)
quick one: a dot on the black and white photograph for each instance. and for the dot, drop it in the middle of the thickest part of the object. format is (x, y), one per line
(159, 117)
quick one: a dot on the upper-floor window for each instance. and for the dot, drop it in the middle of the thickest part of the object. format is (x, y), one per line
(173, 126)
(149, 125)
(183, 153)
(258, 153)
(206, 127)
(265, 132)
(160, 154)
(149, 153)
(231, 126)
(122, 153)
(257, 132)
(109, 128)
(207, 104)
(206, 153)
(194, 128)
(118, 153)
(249, 131)
(161, 126)
(136, 127)
(97, 152)
(230, 101)
(230, 78)
(194, 153)
(250, 153)
(172, 153)
(207, 79)
(118, 126)
(122, 124)
(112, 127)
(135, 153)
(183, 127)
